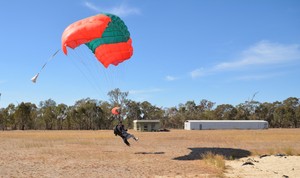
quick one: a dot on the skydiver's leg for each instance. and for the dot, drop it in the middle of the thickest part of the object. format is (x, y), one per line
(128, 136)
(135, 138)
(126, 142)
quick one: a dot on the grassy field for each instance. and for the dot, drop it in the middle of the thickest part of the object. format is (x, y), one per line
(177, 153)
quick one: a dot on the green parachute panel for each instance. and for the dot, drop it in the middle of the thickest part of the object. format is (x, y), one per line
(116, 32)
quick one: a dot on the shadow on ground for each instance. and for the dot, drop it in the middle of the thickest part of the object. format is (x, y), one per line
(145, 153)
(228, 153)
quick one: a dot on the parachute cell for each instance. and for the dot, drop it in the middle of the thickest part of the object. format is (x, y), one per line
(105, 34)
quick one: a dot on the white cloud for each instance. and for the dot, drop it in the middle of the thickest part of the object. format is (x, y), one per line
(197, 73)
(124, 10)
(171, 78)
(92, 6)
(258, 77)
(120, 10)
(264, 53)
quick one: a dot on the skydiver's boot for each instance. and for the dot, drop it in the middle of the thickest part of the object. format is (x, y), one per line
(135, 138)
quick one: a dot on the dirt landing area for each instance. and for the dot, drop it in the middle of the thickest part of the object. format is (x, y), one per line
(178, 153)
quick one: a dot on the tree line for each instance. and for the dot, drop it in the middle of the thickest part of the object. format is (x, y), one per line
(91, 114)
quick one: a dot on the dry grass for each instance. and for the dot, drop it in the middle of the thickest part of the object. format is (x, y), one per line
(215, 160)
(159, 154)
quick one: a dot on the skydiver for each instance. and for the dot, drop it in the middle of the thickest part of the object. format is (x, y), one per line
(120, 129)
(122, 132)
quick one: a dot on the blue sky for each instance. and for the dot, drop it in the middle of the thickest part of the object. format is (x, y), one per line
(220, 50)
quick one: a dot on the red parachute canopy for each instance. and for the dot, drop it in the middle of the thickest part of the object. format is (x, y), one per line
(115, 110)
(105, 34)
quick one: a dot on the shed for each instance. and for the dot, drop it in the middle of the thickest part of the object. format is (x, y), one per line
(146, 125)
(225, 124)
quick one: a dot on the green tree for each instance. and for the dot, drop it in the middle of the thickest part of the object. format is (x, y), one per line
(205, 105)
(119, 98)
(48, 113)
(107, 120)
(134, 112)
(205, 109)
(279, 119)
(297, 117)
(225, 112)
(189, 111)
(8, 115)
(24, 116)
(291, 104)
(61, 111)
(2, 120)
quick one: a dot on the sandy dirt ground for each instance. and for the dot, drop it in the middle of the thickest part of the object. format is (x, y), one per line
(269, 166)
(177, 153)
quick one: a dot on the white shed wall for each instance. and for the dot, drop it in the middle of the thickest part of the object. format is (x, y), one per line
(224, 124)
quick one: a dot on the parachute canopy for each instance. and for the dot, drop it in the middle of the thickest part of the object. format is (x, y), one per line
(106, 35)
(115, 110)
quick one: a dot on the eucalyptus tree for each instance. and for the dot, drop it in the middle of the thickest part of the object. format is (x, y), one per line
(62, 113)
(265, 111)
(225, 112)
(134, 112)
(8, 116)
(117, 98)
(205, 109)
(48, 114)
(205, 105)
(24, 115)
(81, 113)
(279, 119)
(291, 105)
(174, 117)
(297, 115)
(2, 120)
(106, 118)
(150, 112)
(188, 111)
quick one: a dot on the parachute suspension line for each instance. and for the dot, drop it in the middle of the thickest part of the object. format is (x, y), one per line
(99, 77)
(87, 65)
(84, 74)
(111, 78)
(118, 74)
(34, 78)
(94, 65)
(96, 69)
(88, 72)
(53, 55)
(76, 58)
(102, 73)
(115, 74)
